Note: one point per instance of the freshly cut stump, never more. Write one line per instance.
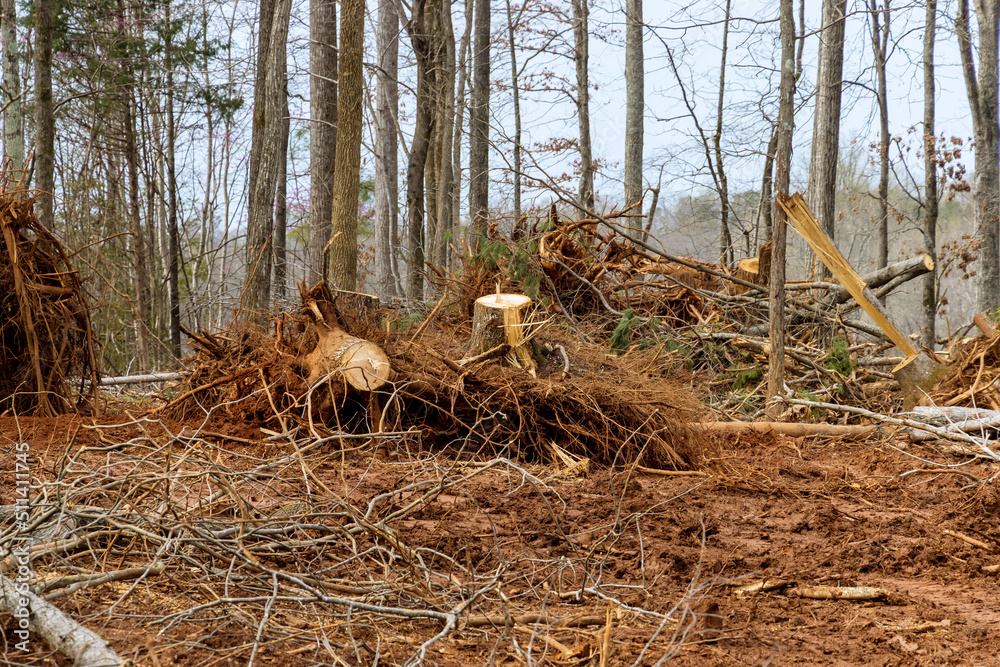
(500, 318)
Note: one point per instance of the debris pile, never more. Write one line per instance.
(44, 319)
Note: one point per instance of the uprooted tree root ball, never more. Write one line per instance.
(583, 400)
(44, 319)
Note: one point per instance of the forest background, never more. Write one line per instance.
(194, 150)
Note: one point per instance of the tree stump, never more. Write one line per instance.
(500, 318)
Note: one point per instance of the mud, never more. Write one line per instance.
(604, 556)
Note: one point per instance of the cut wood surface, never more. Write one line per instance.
(498, 319)
(361, 363)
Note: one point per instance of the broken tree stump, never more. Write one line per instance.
(918, 372)
(498, 319)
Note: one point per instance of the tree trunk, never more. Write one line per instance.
(322, 128)
(726, 239)
(281, 207)
(517, 111)
(880, 45)
(342, 270)
(265, 156)
(635, 105)
(446, 127)
(766, 185)
(463, 75)
(172, 225)
(45, 121)
(581, 56)
(140, 276)
(419, 147)
(479, 123)
(982, 90)
(13, 136)
(386, 148)
(822, 193)
(929, 301)
(783, 161)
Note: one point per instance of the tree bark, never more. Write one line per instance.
(581, 56)
(929, 300)
(822, 193)
(635, 105)
(140, 276)
(45, 121)
(463, 75)
(386, 148)
(479, 123)
(419, 148)
(13, 135)
(322, 128)
(515, 89)
(281, 207)
(982, 91)
(880, 45)
(265, 156)
(446, 126)
(173, 233)
(342, 270)
(783, 161)
(726, 239)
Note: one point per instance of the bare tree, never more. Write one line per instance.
(443, 36)
(322, 127)
(45, 121)
(822, 193)
(342, 269)
(265, 155)
(173, 231)
(880, 46)
(479, 122)
(13, 136)
(635, 104)
(515, 89)
(416, 28)
(982, 91)
(386, 148)
(930, 212)
(581, 55)
(463, 75)
(783, 161)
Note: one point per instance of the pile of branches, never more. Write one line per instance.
(44, 319)
(581, 400)
(217, 552)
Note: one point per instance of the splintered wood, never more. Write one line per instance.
(973, 376)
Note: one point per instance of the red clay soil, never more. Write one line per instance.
(808, 512)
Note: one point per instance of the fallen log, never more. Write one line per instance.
(899, 273)
(83, 646)
(790, 429)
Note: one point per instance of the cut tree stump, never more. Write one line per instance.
(498, 319)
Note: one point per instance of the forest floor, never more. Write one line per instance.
(614, 567)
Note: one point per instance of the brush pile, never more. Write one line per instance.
(582, 400)
(44, 319)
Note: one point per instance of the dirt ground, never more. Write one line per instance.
(616, 567)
